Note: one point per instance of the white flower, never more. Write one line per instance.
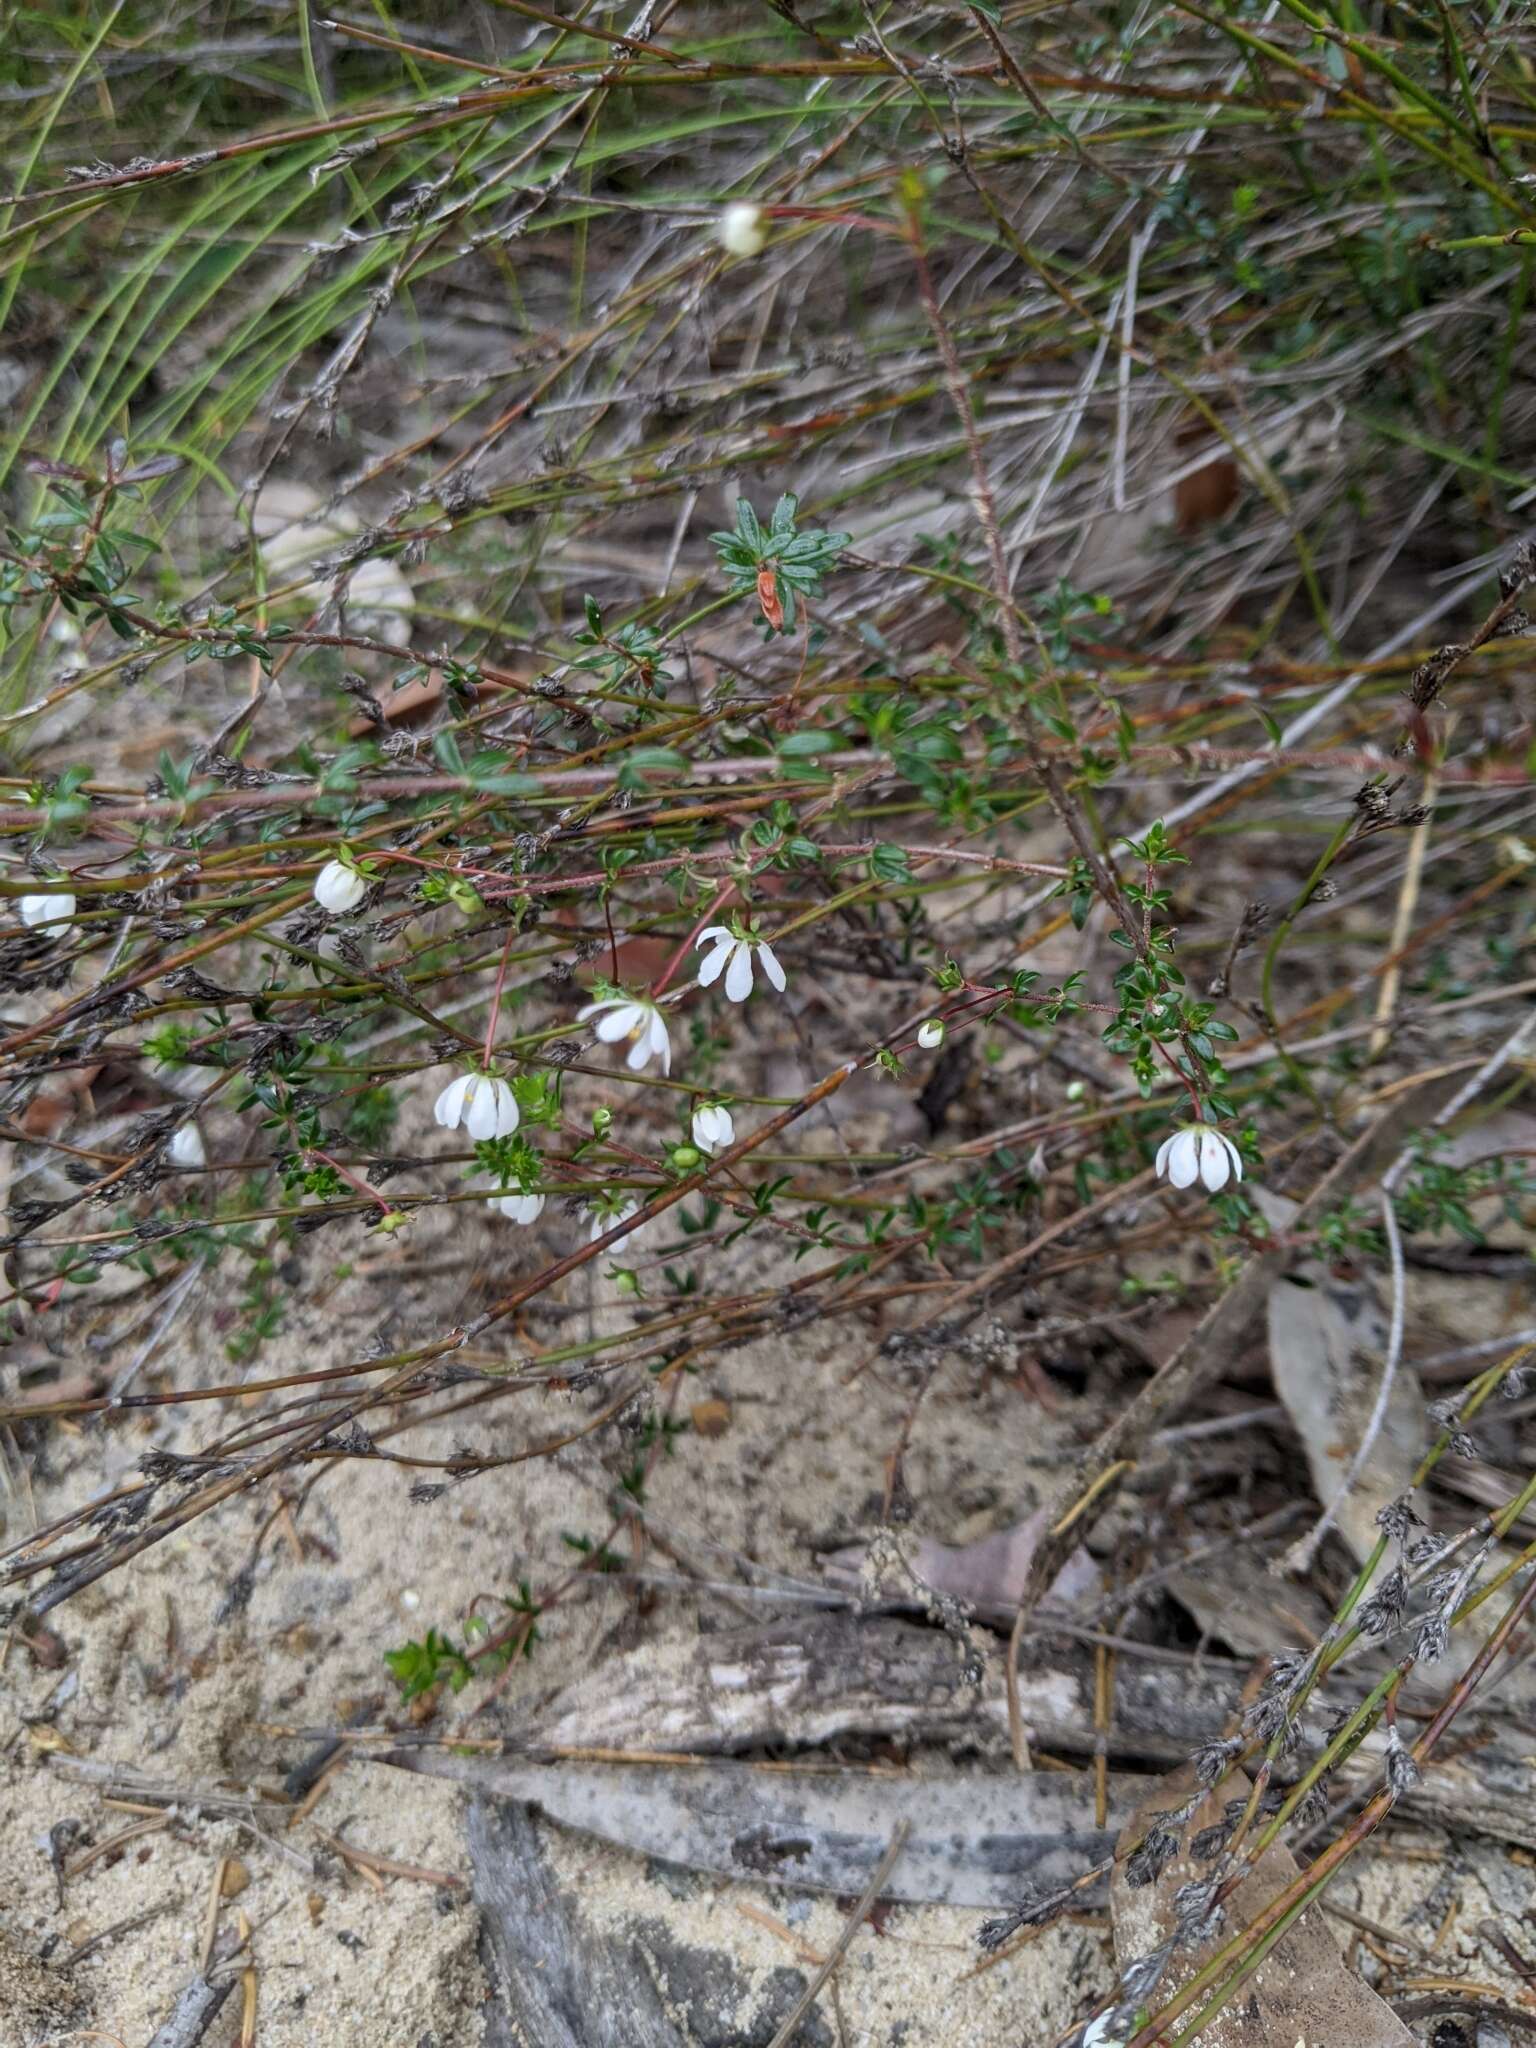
(602, 1223)
(714, 1128)
(186, 1147)
(56, 909)
(638, 1020)
(519, 1208)
(1197, 1152)
(740, 228)
(732, 957)
(1097, 2034)
(339, 888)
(931, 1033)
(486, 1108)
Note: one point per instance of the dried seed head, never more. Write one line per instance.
(1314, 1807)
(1038, 1911)
(1442, 1587)
(1433, 1639)
(1144, 1974)
(1268, 1719)
(1519, 569)
(1374, 801)
(1146, 1864)
(1446, 1415)
(1287, 1669)
(1212, 1760)
(1402, 1771)
(1399, 1519)
(1211, 1841)
(1196, 1912)
(1383, 1612)
(1424, 1550)
(1425, 683)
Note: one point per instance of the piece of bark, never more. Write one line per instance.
(805, 1683)
(1301, 1992)
(193, 2014)
(971, 1840)
(561, 1979)
(798, 1685)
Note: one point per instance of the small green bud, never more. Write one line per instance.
(686, 1157)
(602, 1122)
(627, 1281)
(465, 897)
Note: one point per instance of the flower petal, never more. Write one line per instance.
(661, 1042)
(738, 976)
(591, 1009)
(713, 1128)
(479, 1118)
(450, 1103)
(1215, 1161)
(1235, 1156)
(508, 1116)
(768, 960)
(1163, 1151)
(712, 935)
(622, 1022)
(1184, 1160)
(711, 969)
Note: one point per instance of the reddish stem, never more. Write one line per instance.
(676, 961)
(501, 979)
(360, 1187)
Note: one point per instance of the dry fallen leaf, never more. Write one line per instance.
(1327, 1347)
(988, 1575)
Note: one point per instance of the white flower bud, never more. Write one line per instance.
(714, 1128)
(931, 1033)
(186, 1148)
(54, 910)
(601, 1222)
(740, 229)
(339, 888)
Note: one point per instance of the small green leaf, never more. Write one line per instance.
(796, 745)
(889, 863)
